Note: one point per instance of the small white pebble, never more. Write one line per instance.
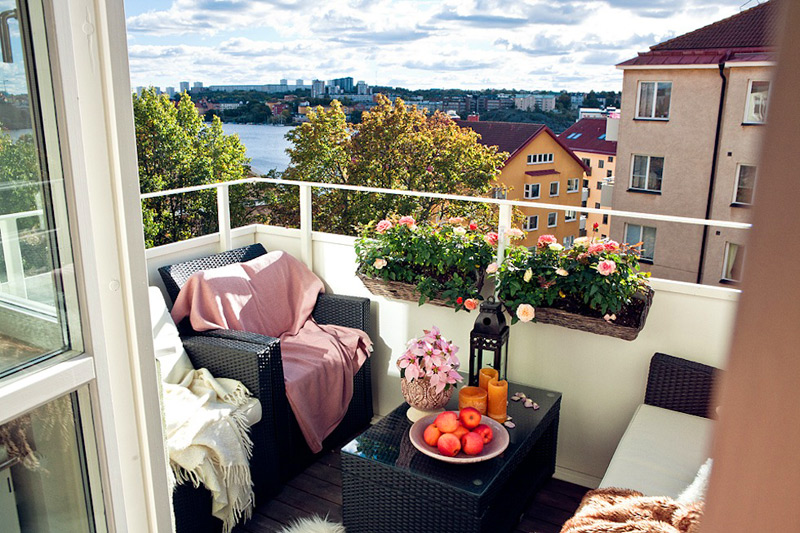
(528, 403)
(535, 406)
(509, 424)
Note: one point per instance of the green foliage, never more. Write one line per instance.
(556, 121)
(394, 147)
(177, 149)
(599, 276)
(445, 261)
(248, 113)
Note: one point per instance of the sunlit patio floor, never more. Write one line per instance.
(318, 491)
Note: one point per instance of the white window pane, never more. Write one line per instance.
(662, 100)
(734, 258)
(757, 102)
(639, 175)
(633, 233)
(649, 239)
(655, 172)
(746, 184)
(646, 97)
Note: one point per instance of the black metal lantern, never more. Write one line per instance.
(488, 341)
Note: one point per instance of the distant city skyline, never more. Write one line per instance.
(416, 44)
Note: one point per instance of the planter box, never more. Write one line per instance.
(396, 290)
(559, 317)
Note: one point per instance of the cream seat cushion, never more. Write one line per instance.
(173, 361)
(660, 452)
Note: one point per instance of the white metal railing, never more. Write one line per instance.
(503, 225)
(12, 252)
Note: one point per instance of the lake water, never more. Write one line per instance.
(266, 144)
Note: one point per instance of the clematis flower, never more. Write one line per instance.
(525, 312)
(528, 275)
(379, 263)
(492, 268)
(491, 238)
(607, 267)
(383, 226)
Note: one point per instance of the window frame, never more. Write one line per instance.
(736, 186)
(577, 182)
(655, 83)
(558, 188)
(748, 100)
(554, 215)
(646, 189)
(643, 259)
(525, 189)
(527, 226)
(546, 158)
(570, 219)
(725, 256)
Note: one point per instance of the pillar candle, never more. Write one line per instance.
(473, 397)
(485, 376)
(498, 400)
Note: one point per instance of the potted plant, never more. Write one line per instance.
(594, 286)
(443, 264)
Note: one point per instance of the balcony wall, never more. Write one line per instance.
(602, 378)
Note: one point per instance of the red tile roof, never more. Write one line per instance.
(512, 136)
(746, 36)
(542, 172)
(585, 137)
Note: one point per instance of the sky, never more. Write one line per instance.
(418, 44)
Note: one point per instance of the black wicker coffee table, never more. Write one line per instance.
(389, 486)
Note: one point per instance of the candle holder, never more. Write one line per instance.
(488, 341)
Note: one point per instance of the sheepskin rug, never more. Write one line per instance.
(313, 524)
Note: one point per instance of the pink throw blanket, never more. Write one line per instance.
(274, 295)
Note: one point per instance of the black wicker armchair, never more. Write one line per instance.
(279, 450)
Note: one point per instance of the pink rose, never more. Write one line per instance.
(383, 226)
(406, 221)
(515, 233)
(612, 246)
(546, 240)
(455, 220)
(596, 248)
(606, 267)
(379, 263)
(490, 238)
(492, 268)
(525, 312)
(471, 304)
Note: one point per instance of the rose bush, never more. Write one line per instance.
(445, 261)
(594, 276)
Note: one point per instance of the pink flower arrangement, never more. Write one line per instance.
(491, 238)
(431, 356)
(383, 226)
(612, 246)
(546, 240)
(596, 248)
(606, 267)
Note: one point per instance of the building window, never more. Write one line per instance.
(609, 173)
(734, 259)
(597, 205)
(498, 193)
(570, 216)
(552, 220)
(745, 184)
(572, 184)
(605, 219)
(568, 241)
(538, 159)
(531, 191)
(757, 100)
(587, 161)
(553, 188)
(599, 185)
(654, 99)
(586, 183)
(645, 235)
(601, 164)
(532, 223)
(646, 173)
(611, 159)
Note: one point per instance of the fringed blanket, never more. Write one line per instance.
(274, 295)
(208, 442)
(627, 511)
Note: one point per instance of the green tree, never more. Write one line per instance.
(177, 149)
(394, 147)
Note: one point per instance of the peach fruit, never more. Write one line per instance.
(431, 435)
(460, 431)
(472, 443)
(447, 422)
(485, 432)
(449, 445)
(470, 417)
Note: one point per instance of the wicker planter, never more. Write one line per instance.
(559, 317)
(423, 398)
(397, 290)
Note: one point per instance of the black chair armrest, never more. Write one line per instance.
(231, 335)
(680, 385)
(339, 310)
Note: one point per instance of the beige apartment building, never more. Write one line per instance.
(693, 110)
(594, 140)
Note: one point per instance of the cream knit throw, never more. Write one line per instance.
(208, 442)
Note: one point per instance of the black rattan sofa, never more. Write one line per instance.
(279, 450)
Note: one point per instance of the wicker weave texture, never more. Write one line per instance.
(192, 508)
(396, 290)
(680, 385)
(559, 317)
(175, 276)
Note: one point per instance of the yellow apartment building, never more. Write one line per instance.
(595, 144)
(540, 168)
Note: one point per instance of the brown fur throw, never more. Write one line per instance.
(627, 511)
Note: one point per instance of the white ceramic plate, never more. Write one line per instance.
(498, 444)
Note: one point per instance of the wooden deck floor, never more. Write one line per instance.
(318, 491)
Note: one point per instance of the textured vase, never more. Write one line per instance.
(423, 398)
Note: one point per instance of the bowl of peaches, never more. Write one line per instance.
(459, 437)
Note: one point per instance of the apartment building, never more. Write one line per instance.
(594, 140)
(540, 168)
(693, 110)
